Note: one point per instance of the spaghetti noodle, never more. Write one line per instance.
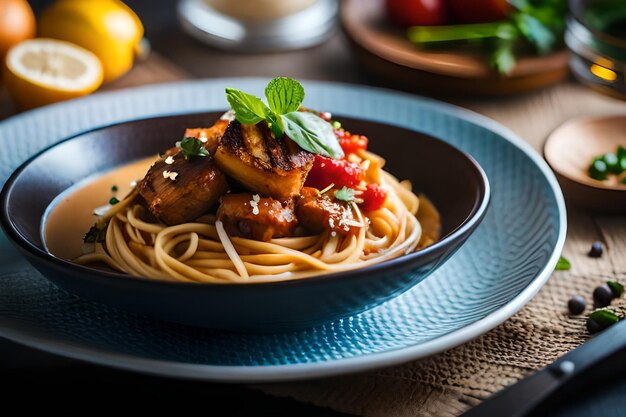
(202, 251)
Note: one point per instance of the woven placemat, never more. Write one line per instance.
(450, 383)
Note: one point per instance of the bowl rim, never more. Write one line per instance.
(401, 263)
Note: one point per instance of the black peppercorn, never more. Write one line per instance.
(576, 305)
(596, 250)
(602, 296)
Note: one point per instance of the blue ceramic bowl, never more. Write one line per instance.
(450, 178)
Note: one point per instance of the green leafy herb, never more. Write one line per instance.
(284, 96)
(604, 317)
(114, 189)
(249, 109)
(192, 147)
(346, 194)
(502, 57)
(533, 23)
(623, 181)
(113, 201)
(563, 264)
(616, 288)
(312, 133)
(97, 233)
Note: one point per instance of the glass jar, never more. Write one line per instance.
(596, 36)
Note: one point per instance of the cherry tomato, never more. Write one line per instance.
(417, 12)
(351, 143)
(328, 171)
(479, 11)
(373, 197)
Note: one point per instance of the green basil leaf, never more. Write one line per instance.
(284, 95)
(604, 317)
(535, 32)
(249, 109)
(563, 264)
(312, 133)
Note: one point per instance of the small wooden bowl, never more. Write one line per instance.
(569, 151)
(385, 51)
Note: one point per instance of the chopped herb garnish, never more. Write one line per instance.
(604, 317)
(608, 163)
(113, 201)
(616, 288)
(563, 264)
(97, 233)
(284, 97)
(191, 147)
(598, 170)
(114, 189)
(346, 194)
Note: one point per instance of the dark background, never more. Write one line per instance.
(68, 385)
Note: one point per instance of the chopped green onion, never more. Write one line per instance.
(114, 189)
(113, 201)
(612, 163)
(598, 170)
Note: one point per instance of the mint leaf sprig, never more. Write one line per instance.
(284, 97)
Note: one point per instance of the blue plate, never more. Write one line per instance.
(502, 265)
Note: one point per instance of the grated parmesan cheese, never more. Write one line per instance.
(254, 203)
(287, 214)
(170, 174)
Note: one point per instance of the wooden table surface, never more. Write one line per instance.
(176, 56)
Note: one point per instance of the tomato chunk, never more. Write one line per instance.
(328, 171)
(373, 197)
(351, 143)
(418, 12)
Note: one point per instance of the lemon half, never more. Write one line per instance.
(45, 71)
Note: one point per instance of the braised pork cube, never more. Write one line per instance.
(318, 213)
(253, 217)
(209, 136)
(179, 190)
(252, 156)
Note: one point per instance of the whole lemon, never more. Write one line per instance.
(17, 23)
(108, 28)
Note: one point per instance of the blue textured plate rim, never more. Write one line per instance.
(366, 362)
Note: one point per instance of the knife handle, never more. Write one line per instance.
(519, 399)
